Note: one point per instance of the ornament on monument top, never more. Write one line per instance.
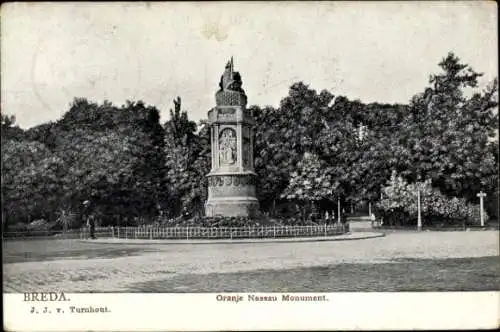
(231, 80)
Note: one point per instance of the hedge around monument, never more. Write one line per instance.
(221, 221)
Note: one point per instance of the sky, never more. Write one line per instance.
(372, 51)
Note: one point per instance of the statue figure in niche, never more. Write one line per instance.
(227, 147)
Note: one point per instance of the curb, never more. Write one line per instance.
(350, 237)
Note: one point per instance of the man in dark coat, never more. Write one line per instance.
(90, 218)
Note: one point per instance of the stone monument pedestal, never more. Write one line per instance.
(231, 194)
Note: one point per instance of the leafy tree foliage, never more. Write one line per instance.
(31, 180)
(449, 141)
(187, 163)
(9, 129)
(283, 135)
(314, 148)
(442, 135)
(109, 155)
(310, 183)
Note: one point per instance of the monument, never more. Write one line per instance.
(231, 181)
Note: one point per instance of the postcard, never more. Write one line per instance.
(203, 166)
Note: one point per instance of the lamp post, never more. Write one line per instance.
(419, 215)
(338, 210)
(481, 196)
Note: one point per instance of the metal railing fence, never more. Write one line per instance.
(187, 233)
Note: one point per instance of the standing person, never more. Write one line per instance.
(92, 227)
(85, 216)
(90, 218)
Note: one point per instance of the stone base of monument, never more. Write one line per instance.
(232, 195)
(232, 207)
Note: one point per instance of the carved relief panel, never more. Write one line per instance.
(228, 180)
(226, 114)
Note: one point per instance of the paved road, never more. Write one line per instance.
(88, 272)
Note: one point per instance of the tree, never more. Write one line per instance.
(97, 164)
(9, 129)
(338, 145)
(45, 133)
(150, 165)
(283, 135)
(180, 129)
(200, 168)
(450, 137)
(272, 163)
(187, 162)
(32, 181)
(66, 219)
(310, 183)
(117, 156)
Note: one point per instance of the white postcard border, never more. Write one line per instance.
(206, 312)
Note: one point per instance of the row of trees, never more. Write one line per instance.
(112, 156)
(308, 151)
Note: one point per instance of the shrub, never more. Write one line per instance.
(220, 221)
(399, 204)
(38, 225)
(19, 227)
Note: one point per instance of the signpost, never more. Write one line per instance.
(481, 196)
